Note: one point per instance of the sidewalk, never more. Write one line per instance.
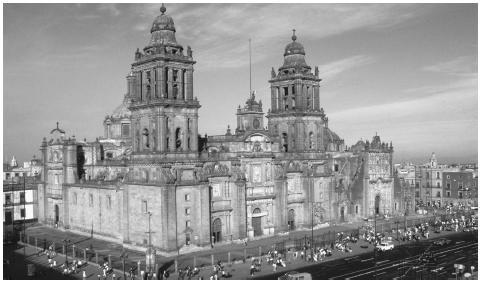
(203, 257)
(17, 267)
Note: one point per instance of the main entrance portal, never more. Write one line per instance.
(217, 228)
(256, 222)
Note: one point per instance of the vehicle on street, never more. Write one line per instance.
(442, 242)
(294, 275)
(385, 246)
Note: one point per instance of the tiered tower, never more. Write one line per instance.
(295, 115)
(160, 86)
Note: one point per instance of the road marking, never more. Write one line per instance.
(413, 257)
(383, 261)
(459, 242)
(363, 260)
(459, 258)
(381, 273)
(442, 256)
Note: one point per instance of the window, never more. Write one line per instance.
(56, 179)
(75, 198)
(8, 199)
(356, 209)
(448, 176)
(438, 184)
(144, 206)
(417, 185)
(188, 223)
(438, 175)
(336, 167)
(22, 197)
(91, 200)
(125, 130)
(187, 197)
(460, 195)
(417, 194)
(187, 211)
(16, 174)
(109, 202)
(448, 194)
(428, 175)
(188, 239)
(8, 175)
(438, 194)
(22, 213)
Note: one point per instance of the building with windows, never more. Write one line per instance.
(459, 188)
(152, 168)
(20, 202)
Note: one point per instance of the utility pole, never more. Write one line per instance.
(150, 252)
(123, 256)
(24, 214)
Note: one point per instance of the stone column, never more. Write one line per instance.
(316, 102)
(172, 136)
(185, 136)
(274, 101)
(181, 93)
(161, 85)
(280, 98)
(169, 83)
(300, 97)
(139, 85)
(162, 134)
(194, 137)
(189, 84)
(290, 98)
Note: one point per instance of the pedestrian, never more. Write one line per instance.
(251, 270)
(84, 276)
(274, 266)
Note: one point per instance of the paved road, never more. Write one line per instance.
(399, 263)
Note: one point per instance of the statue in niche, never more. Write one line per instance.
(273, 73)
(189, 51)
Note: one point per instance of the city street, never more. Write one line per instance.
(400, 263)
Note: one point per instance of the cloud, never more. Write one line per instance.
(330, 70)
(221, 31)
(111, 9)
(464, 65)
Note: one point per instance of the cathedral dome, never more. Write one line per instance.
(163, 22)
(294, 55)
(294, 47)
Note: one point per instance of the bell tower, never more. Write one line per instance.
(295, 115)
(160, 89)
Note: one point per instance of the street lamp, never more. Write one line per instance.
(123, 256)
(150, 254)
(66, 243)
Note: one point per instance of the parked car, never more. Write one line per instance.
(385, 246)
(442, 242)
(294, 275)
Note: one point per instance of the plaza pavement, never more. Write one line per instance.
(203, 257)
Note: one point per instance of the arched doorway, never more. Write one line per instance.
(56, 214)
(291, 219)
(342, 214)
(256, 222)
(217, 228)
(377, 204)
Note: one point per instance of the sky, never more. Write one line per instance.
(407, 72)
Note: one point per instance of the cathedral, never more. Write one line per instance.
(152, 168)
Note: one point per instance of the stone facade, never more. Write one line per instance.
(152, 168)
